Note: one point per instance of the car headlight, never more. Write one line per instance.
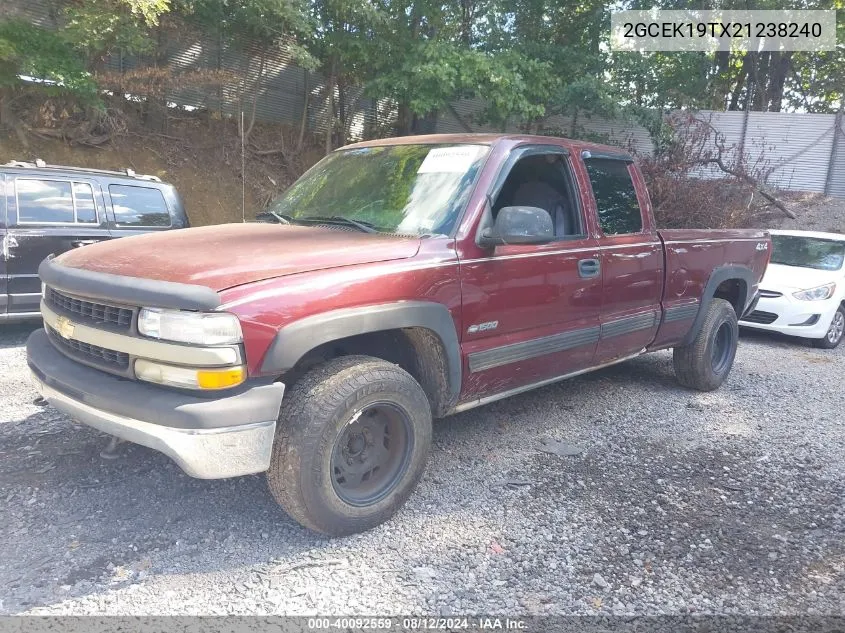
(816, 294)
(189, 377)
(199, 328)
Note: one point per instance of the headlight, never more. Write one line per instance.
(199, 328)
(189, 377)
(816, 294)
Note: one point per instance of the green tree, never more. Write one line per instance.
(563, 45)
(101, 27)
(33, 58)
(736, 80)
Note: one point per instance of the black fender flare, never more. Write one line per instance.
(293, 341)
(720, 275)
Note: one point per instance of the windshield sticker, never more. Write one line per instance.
(455, 160)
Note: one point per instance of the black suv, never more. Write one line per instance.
(49, 209)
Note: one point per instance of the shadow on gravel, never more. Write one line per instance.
(772, 338)
(15, 334)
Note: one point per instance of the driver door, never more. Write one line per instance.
(532, 312)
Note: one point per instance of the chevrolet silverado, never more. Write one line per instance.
(397, 281)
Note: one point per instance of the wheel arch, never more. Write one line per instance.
(419, 336)
(732, 283)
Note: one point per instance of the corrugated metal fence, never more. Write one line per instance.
(797, 148)
(801, 151)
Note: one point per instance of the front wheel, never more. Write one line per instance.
(834, 333)
(352, 443)
(707, 360)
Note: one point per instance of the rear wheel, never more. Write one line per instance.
(834, 333)
(352, 444)
(707, 360)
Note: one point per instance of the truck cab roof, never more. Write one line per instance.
(493, 139)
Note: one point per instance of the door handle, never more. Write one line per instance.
(589, 268)
(78, 243)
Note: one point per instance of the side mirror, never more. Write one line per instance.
(520, 225)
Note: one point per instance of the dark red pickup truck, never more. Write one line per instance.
(401, 280)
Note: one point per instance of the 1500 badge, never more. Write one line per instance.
(482, 327)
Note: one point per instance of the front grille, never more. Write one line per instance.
(758, 316)
(770, 294)
(94, 354)
(93, 312)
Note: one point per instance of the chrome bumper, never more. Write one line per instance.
(203, 453)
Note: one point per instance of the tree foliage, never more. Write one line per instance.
(101, 27)
(528, 60)
(28, 52)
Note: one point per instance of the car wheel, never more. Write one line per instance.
(834, 333)
(352, 443)
(707, 360)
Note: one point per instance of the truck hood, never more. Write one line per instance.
(783, 278)
(228, 255)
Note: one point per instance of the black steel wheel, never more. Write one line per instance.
(371, 454)
(722, 348)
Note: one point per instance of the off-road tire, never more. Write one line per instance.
(826, 342)
(707, 360)
(314, 416)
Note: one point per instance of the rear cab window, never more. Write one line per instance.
(54, 201)
(139, 207)
(616, 198)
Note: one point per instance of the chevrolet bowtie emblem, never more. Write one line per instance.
(65, 327)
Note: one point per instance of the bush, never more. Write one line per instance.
(697, 181)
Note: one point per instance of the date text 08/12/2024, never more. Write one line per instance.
(418, 623)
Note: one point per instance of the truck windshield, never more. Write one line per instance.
(807, 252)
(406, 189)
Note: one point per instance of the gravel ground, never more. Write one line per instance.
(814, 211)
(676, 502)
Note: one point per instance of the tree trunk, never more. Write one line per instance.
(403, 119)
(780, 67)
(156, 105)
(740, 82)
(330, 107)
(342, 112)
(719, 85)
(255, 93)
(467, 15)
(303, 122)
(761, 76)
(9, 119)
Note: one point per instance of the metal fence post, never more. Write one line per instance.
(837, 135)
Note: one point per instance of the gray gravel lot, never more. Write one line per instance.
(680, 502)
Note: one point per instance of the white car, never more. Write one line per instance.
(803, 290)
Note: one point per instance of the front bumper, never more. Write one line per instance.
(791, 316)
(209, 438)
